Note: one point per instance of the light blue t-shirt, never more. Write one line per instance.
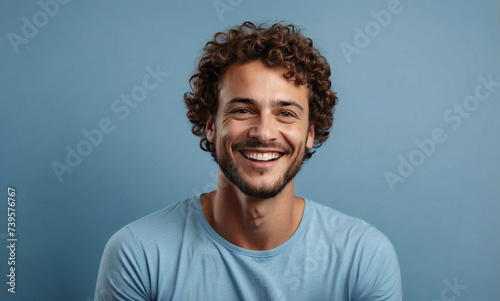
(174, 254)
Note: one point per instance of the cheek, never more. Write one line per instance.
(230, 131)
(295, 135)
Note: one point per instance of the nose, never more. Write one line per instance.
(263, 129)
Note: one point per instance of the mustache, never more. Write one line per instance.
(257, 144)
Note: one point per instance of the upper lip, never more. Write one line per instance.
(262, 150)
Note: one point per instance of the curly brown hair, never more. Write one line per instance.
(276, 46)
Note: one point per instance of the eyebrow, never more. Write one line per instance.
(285, 103)
(275, 103)
(241, 100)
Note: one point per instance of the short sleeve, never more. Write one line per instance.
(123, 271)
(379, 275)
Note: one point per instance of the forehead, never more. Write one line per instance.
(257, 81)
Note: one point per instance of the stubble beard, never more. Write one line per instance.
(230, 170)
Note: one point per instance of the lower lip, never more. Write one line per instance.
(261, 164)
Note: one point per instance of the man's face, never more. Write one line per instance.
(261, 129)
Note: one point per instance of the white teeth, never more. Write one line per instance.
(262, 156)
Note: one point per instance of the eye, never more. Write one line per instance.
(240, 111)
(287, 114)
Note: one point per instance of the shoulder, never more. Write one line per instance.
(364, 249)
(354, 234)
(135, 255)
(157, 226)
(339, 221)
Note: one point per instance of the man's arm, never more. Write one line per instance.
(123, 271)
(379, 277)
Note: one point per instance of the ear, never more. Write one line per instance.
(310, 137)
(210, 129)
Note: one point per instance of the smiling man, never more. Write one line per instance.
(261, 102)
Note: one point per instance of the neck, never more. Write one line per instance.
(256, 224)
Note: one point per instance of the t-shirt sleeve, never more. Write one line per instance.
(379, 275)
(123, 270)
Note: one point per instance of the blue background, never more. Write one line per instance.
(443, 220)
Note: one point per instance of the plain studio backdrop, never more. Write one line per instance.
(93, 133)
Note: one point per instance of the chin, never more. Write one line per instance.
(264, 191)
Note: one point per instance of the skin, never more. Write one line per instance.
(260, 111)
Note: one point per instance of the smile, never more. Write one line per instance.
(258, 156)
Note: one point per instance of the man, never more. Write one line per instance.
(261, 102)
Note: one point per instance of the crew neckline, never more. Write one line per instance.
(247, 252)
